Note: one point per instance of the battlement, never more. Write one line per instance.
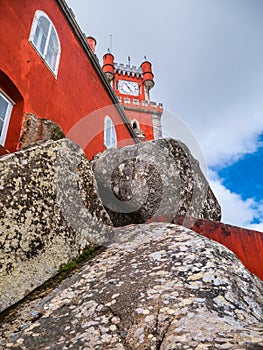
(128, 70)
(152, 107)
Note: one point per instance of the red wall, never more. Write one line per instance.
(145, 121)
(246, 244)
(77, 91)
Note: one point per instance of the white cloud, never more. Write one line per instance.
(229, 140)
(225, 137)
(208, 70)
(235, 210)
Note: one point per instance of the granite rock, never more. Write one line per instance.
(49, 213)
(153, 179)
(157, 287)
(36, 129)
(245, 243)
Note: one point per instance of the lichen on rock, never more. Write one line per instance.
(36, 129)
(49, 212)
(152, 180)
(159, 286)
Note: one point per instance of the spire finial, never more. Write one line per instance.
(110, 48)
(145, 58)
(129, 61)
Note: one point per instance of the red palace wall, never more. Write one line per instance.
(77, 91)
(246, 244)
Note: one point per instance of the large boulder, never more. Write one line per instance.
(36, 129)
(159, 286)
(49, 212)
(152, 180)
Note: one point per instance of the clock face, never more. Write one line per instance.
(128, 87)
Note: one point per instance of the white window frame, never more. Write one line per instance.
(6, 117)
(44, 55)
(110, 138)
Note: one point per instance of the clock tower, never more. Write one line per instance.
(132, 86)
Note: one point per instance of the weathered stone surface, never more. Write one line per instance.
(152, 179)
(246, 244)
(159, 287)
(49, 212)
(36, 129)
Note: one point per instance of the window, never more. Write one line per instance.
(6, 106)
(135, 125)
(110, 139)
(45, 40)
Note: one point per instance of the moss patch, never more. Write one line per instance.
(86, 255)
(65, 271)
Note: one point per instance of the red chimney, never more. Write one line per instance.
(147, 74)
(108, 65)
(92, 43)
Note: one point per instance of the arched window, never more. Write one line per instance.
(6, 105)
(110, 139)
(45, 40)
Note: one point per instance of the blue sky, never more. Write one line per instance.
(207, 57)
(245, 175)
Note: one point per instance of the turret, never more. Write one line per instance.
(147, 75)
(92, 43)
(108, 66)
(147, 78)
